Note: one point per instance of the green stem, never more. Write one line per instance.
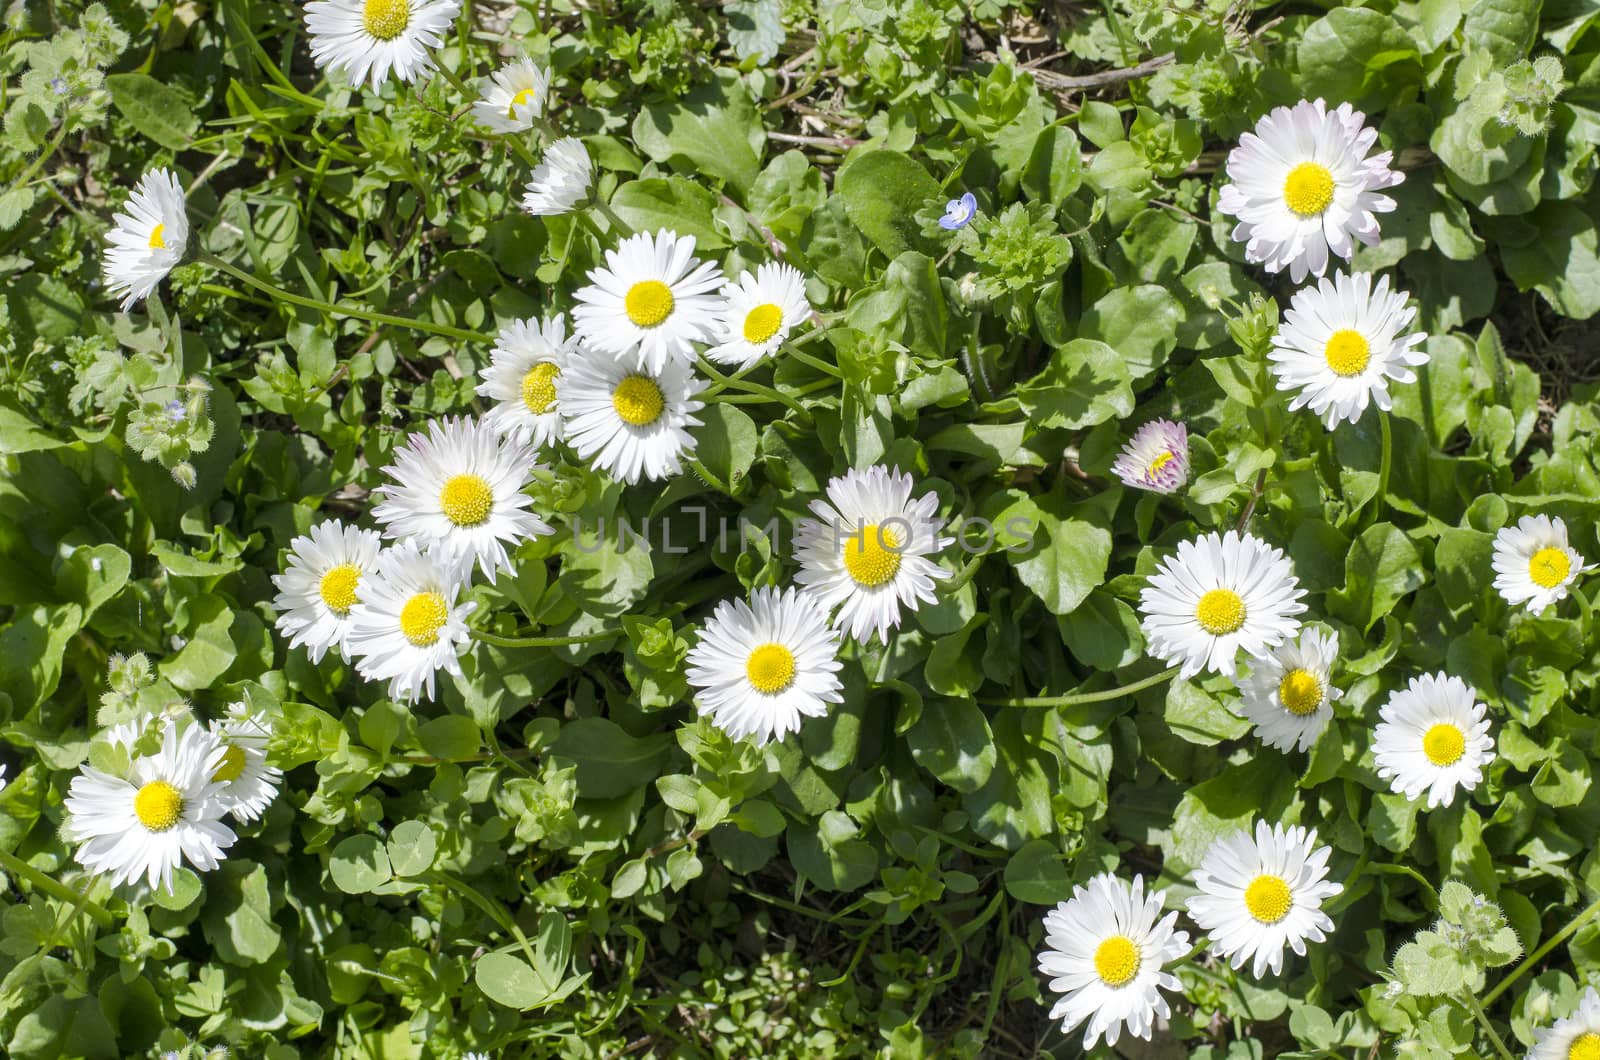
(53, 887)
(539, 642)
(1383, 465)
(1537, 955)
(816, 362)
(1488, 1028)
(275, 291)
(619, 228)
(1074, 698)
(723, 382)
(44, 156)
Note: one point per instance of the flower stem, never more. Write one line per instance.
(1537, 955)
(1075, 698)
(723, 382)
(55, 888)
(1488, 1028)
(1384, 463)
(816, 362)
(619, 228)
(539, 642)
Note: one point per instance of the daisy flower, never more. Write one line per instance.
(1433, 738)
(409, 623)
(561, 179)
(958, 213)
(249, 784)
(1156, 458)
(460, 487)
(322, 583)
(1303, 184)
(1105, 950)
(1258, 896)
(651, 302)
(1341, 344)
(867, 550)
(3, 780)
(147, 238)
(1533, 564)
(514, 97)
(1220, 593)
(523, 374)
(759, 313)
(1576, 1037)
(629, 423)
(368, 38)
(1288, 695)
(760, 667)
(165, 811)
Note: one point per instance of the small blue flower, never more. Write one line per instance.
(60, 85)
(958, 213)
(177, 412)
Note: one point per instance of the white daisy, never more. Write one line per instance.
(147, 238)
(514, 97)
(1302, 185)
(522, 378)
(249, 784)
(476, 1056)
(3, 780)
(759, 313)
(1156, 458)
(1105, 949)
(165, 811)
(368, 38)
(1288, 695)
(1341, 344)
(460, 487)
(629, 423)
(409, 622)
(1574, 1037)
(1258, 896)
(760, 667)
(561, 179)
(651, 302)
(1220, 593)
(322, 583)
(1434, 738)
(867, 551)
(1533, 563)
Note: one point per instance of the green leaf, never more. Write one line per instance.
(726, 444)
(882, 192)
(1342, 52)
(610, 762)
(450, 737)
(755, 29)
(1035, 874)
(1068, 550)
(831, 856)
(155, 109)
(210, 649)
(1506, 29)
(1085, 383)
(672, 203)
(359, 865)
(1195, 715)
(1139, 323)
(713, 129)
(1383, 566)
(1561, 262)
(509, 981)
(412, 847)
(953, 742)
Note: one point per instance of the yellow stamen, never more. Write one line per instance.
(638, 400)
(872, 555)
(1158, 463)
(539, 387)
(1549, 567)
(1347, 352)
(1300, 692)
(158, 805)
(338, 587)
(770, 668)
(648, 303)
(386, 19)
(1308, 189)
(527, 95)
(762, 322)
(157, 240)
(1585, 1046)
(1220, 611)
(232, 766)
(1116, 960)
(1268, 899)
(466, 500)
(422, 617)
(1444, 744)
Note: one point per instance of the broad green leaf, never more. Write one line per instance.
(1035, 874)
(359, 865)
(671, 203)
(610, 762)
(714, 129)
(154, 108)
(882, 191)
(953, 742)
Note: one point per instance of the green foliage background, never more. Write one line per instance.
(556, 860)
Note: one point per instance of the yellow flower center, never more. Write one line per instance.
(422, 617)
(156, 240)
(1158, 463)
(527, 95)
(1220, 611)
(648, 303)
(1549, 567)
(338, 587)
(539, 387)
(1268, 899)
(1585, 1046)
(386, 19)
(770, 668)
(1443, 744)
(762, 322)
(232, 765)
(1347, 352)
(1116, 960)
(1308, 189)
(466, 500)
(638, 400)
(158, 805)
(872, 555)
(1300, 692)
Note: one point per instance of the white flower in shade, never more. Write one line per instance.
(476, 1056)
(3, 781)
(760, 667)
(514, 97)
(522, 379)
(1433, 738)
(1257, 896)
(365, 39)
(322, 583)
(867, 552)
(1288, 695)
(1341, 345)
(630, 423)
(651, 302)
(249, 784)
(1156, 458)
(759, 313)
(1220, 593)
(459, 486)
(561, 179)
(1533, 564)
(163, 812)
(1302, 184)
(1574, 1037)
(409, 623)
(1105, 950)
(147, 238)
